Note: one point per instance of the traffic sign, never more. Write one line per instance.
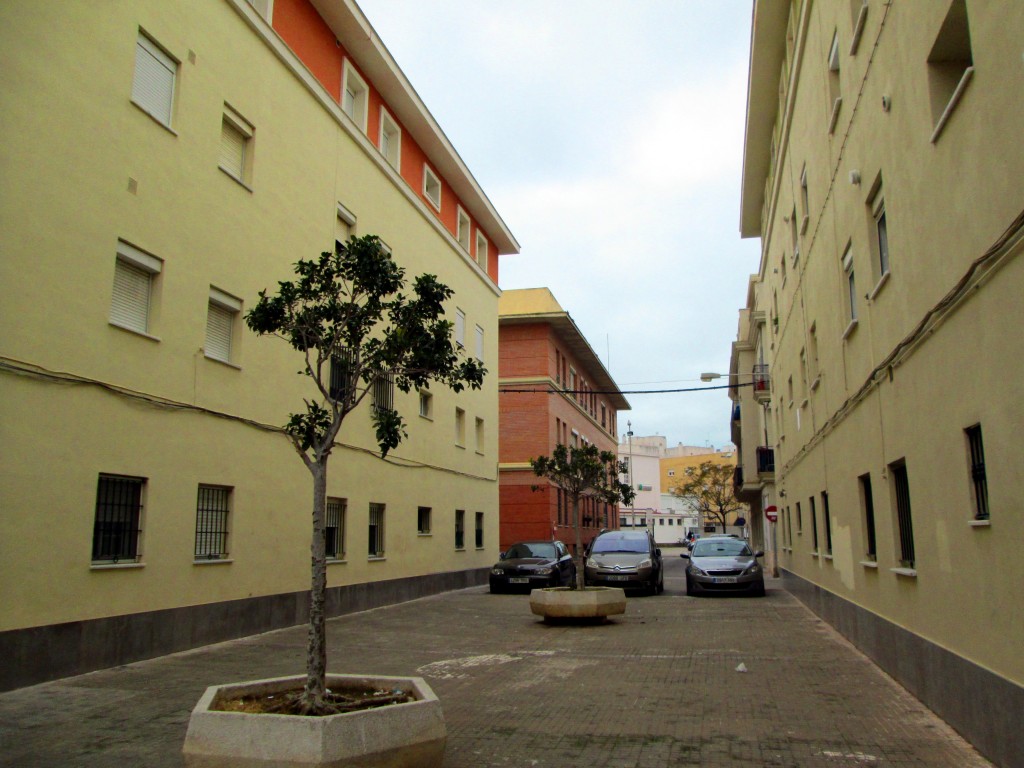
(772, 513)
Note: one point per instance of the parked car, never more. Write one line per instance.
(533, 565)
(723, 564)
(627, 559)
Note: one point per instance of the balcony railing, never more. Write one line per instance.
(762, 382)
(765, 460)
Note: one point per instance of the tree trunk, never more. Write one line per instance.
(316, 650)
(580, 557)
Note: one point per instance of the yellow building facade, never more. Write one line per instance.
(161, 164)
(878, 400)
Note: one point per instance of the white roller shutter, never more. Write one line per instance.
(153, 86)
(232, 149)
(129, 306)
(218, 332)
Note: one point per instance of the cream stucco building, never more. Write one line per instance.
(161, 164)
(876, 371)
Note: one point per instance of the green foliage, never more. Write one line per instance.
(349, 314)
(585, 471)
(709, 489)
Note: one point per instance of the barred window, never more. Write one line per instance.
(384, 392)
(479, 532)
(376, 530)
(115, 535)
(901, 486)
(212, 508)
(334, 532)
(423, 520)
(343, 382)
(978, 477)
(460, 529)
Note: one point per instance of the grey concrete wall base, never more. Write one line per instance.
(410, 735)
(37, 654)
(588, 603)
(982, 706)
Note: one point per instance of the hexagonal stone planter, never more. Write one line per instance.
(597, 603)
(404, 735)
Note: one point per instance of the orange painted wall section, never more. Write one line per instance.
(306, 33)
(301, 27)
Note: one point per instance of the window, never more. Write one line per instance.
(799, 520)
(462, 227)
(460, 427)
(426, 405)
(812, 360)
(346, 224)
(795, 237)
(384, 392)
(376, 530)
(604, 415)
(135, 274)
(950, 65)
(212, 507)
(835, 96)
(264, 8)
(431, 187)
(423, 520)
(901, 488)
(390, 140)
(222, 316)
(334, 532)
(479, 343)
(572, 383)
(343, 380)
(153, 84)
(867, 504)
(851, 284)
(118, 523)
(814, 525)
(880, 234)
(460, 529)
(235, 146)
(479, 531)
(977, 457)
(858, 15)
(562, 513)
(481, 250)
(828, 522)
(479, 435)
(460, 328)
(354, 95)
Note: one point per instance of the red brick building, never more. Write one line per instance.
(552, 389)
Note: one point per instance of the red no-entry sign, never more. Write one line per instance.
(772, 513)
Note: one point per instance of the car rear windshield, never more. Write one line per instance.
(720, 548)
(619, 542)
(539, 549)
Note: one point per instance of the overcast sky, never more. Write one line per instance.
(608, 134)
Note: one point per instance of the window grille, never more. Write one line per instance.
(376, 530)
(828, 522)
(116, 528)
(343, 379)
(901, 485)
(978, 477)
(460, 529)
(384, 392)
(212, 522)
(869, 516)
(334, 531)
(479, 532)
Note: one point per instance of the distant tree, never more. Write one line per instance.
(709, 490)
(359, 335)
(584, 472)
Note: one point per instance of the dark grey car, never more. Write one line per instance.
(626, 559)
(533, 565)
(723, 565)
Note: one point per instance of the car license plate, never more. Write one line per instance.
(521, 580)
(724, 579)
(618, 578)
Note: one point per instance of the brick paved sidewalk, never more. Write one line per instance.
(657, 687)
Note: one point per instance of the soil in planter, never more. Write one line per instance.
(289, 702)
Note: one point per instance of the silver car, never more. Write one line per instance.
(626, 559)
(723, 565)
